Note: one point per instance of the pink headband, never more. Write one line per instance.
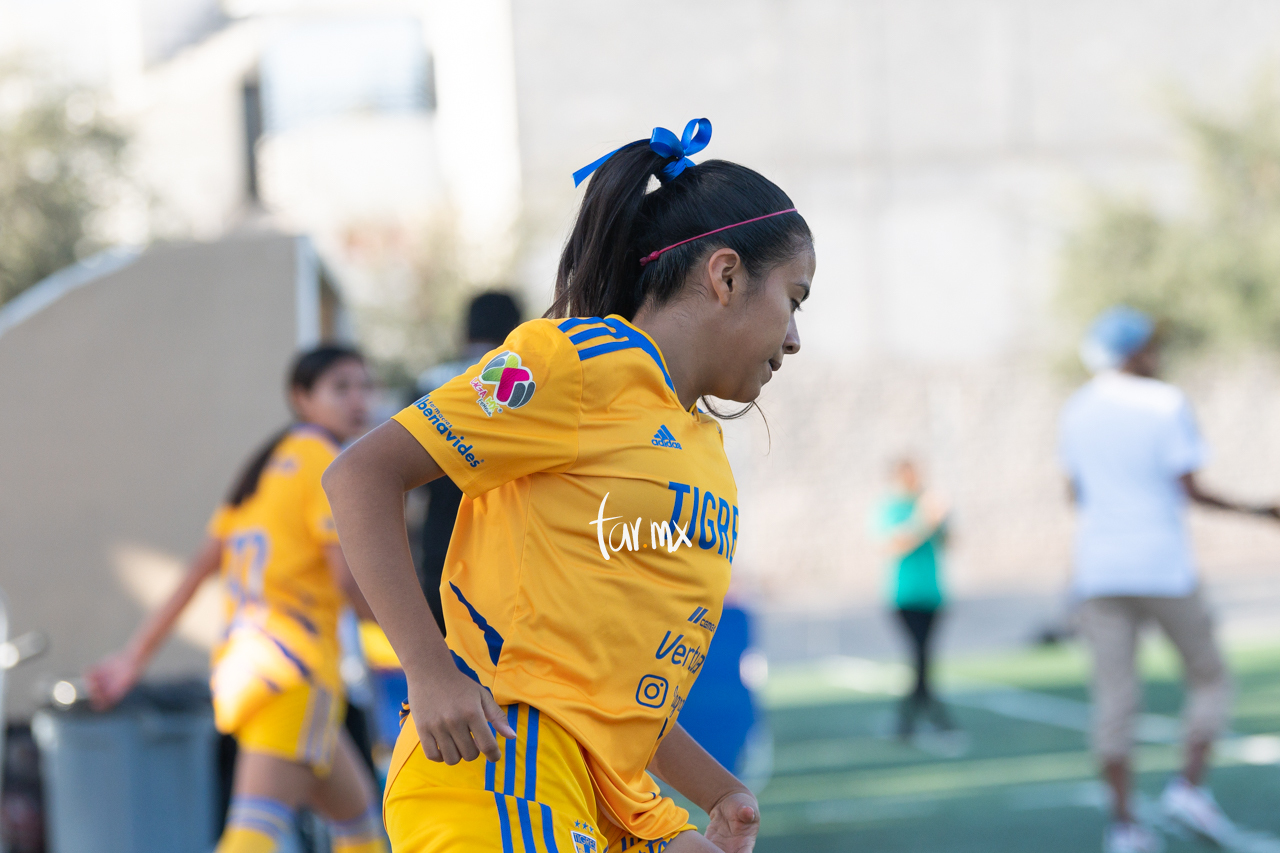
(653, 256)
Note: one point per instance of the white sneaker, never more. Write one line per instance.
(1197, 810)
(1131, 838)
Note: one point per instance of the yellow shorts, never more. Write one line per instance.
(301, 724)
(537, 799)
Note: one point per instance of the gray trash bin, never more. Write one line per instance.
(139, 778)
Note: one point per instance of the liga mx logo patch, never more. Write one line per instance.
(513, 384)
(583, 843)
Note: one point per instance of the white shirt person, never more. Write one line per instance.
(1131, 449)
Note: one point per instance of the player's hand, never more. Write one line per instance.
(933, 509)
(735, 820)
(453, 716)
(110, 679)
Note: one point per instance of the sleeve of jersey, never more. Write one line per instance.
(217, 526)
(514, 413)
(319, 517)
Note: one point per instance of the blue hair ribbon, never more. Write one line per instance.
(697, 133)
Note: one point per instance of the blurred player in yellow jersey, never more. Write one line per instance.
(592, 550)
(276, 685)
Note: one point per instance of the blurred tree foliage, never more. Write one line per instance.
(60, 162)
(413, 291)
(1212, 278)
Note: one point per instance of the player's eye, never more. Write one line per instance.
(795, 305)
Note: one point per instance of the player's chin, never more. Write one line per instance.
(748, 392)
(765, 373)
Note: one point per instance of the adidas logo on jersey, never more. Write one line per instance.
(664, 438)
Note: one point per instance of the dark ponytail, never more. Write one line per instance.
(307, 369)
(620, 222)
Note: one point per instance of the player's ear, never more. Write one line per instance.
(725, 273)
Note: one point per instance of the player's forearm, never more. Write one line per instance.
(153, 631)
(355, 597)
(1218, 502)
(1199, 496)
(366, 495)
(912, 535)
(683, 764)
(1214, 502)
(359, 603)
(346, 582)
(906, 541)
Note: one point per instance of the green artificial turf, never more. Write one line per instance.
(1020, 778)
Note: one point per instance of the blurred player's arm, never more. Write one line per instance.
(346, 582)
(366, 485)
(1198, 495)
(114, 676)
(683, 764)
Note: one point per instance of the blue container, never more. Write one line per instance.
(720, 712)
(390, 689)
(137, 779)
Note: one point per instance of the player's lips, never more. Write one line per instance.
(773, 366)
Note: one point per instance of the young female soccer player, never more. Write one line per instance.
(576, 625)
(276, 685)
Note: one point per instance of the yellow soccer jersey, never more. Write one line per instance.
(282, 603)
(591, 554)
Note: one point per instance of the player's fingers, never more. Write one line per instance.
(461, 734)
(102, 693)
(748, 815)
(484, 739)
(429, 748)
(494, 713)
(447, 748)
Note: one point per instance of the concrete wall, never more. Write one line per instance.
(941, 151)
(986, 435)
(938, 149)
(128, 405)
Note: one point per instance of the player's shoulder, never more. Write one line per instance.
(1114, 389)
(613, 351)
(588, 360)
(535, 357)
(1155, 396)
(1085, 406)
(221, 522)
(541, 335)
(603, 346)
(1078, 399)
(1168, 395)
(538, 342)
(305, 446)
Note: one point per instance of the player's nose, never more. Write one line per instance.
(791, 344)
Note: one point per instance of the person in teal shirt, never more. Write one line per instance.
(912, 524)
